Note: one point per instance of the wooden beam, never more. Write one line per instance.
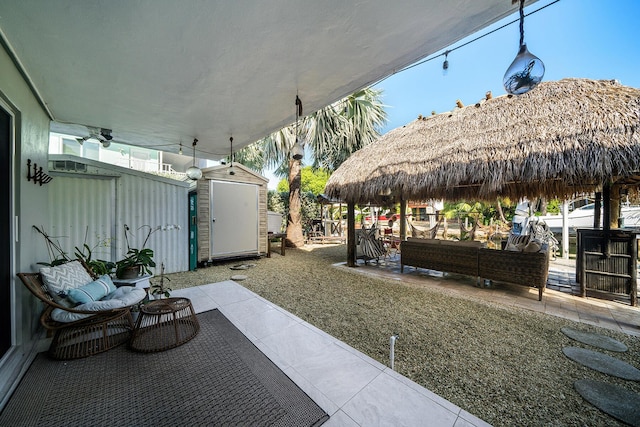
(351, 234)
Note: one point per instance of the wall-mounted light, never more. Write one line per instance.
(180, 149)
(526, 70)
(194, 172)
(297, 150)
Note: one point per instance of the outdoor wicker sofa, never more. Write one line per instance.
(82, 329)
(471, 258)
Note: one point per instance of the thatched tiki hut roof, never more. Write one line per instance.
(560, 139)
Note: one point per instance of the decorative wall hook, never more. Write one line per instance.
(38, 176)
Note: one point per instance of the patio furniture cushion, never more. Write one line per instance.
(124, 296)
(93, 291)
(61, 278)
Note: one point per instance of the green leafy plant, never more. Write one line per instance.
(99, 266)
(158, 287)
(59, 256)
(137, 257)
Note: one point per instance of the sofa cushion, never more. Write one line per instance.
(424, 241)
(93, 291)
(127, 295)
(463, 243)
(123, 296)
(61, 278)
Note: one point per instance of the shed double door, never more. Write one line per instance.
(234, 219)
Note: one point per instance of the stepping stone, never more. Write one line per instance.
(620, 403)
(239, 267)
(596, 340)
(239, 277)
(602, 363)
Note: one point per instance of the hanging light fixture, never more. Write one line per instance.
(231, 171)
(445, 64)
(194, 172)
(526, 70)
(180, 149)
(298, 151)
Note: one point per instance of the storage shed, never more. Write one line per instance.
(90, 202)
(232, 213)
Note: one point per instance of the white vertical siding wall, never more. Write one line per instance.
(79, 207)
(103, 204)
(161, 206)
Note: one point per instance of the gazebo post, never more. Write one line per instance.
(403, 220)
(351, 234)
(606, 206)
(597, 208)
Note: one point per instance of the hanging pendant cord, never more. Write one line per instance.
(521, 22)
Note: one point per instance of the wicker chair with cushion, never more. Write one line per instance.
(87, 314)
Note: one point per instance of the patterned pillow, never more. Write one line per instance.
(93, 291)
(61, 278)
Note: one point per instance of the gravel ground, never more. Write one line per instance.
(501, 364)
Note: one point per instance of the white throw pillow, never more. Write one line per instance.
(61, 278)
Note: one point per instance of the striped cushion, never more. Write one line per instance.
(61, 278)
(93, 291)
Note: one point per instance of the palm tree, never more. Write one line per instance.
(331, 134)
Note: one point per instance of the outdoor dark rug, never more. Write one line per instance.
(219, 378)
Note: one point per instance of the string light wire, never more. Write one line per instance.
(448, 51)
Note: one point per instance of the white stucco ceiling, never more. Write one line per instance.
(161, 72)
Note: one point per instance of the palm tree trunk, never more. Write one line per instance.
(295, 237)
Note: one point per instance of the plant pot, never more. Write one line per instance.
(130, 272)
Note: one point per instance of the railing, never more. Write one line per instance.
(151, 166)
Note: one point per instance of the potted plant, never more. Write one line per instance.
(158, 288)
(137, 260)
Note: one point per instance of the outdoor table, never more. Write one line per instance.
(163, 324)
(275, 236)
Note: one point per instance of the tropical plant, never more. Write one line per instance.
(137, 257)
(158, 287)
(330, 134)
(85, 253)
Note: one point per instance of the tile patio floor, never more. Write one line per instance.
(356, 390)
(352, 388)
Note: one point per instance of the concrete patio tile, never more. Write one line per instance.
(340, 419)
(263, 323)
(297, 343)
(312, 391)
(337, 373)
(247, 307)
(388, 402)
(200, 301)
(227, 292)
(422, 390)
(361, 355)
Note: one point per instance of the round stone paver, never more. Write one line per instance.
(239, 277)
(602, 363)
(611, 399)
(596, 340)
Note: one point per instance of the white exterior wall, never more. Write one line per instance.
(107, 197)
(28, 204)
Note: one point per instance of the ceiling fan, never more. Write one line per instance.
(103, 135)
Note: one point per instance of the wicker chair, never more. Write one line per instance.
(100, 331)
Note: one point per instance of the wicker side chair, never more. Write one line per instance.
(99, 331)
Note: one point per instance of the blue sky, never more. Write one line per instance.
(596, 39)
